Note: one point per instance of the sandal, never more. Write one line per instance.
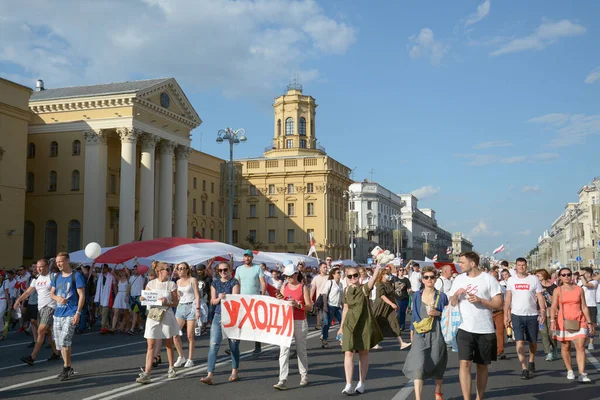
(208, 380)
(438, 396)
(156, 361)
(233, 378)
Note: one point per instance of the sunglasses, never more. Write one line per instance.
(565, 275)
(428, 277)
(163, 269)
(223, 270)
(352, 276)
(329, 259)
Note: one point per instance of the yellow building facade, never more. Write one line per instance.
(14, 117)
(294, 190)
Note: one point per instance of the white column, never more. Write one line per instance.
(127, 188)
(94, 187)
(146, 220)
(165, 195)
(156, 191)
(181, 190)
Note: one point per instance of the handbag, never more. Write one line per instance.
(156, 314)
(570, 325)
(426, 324)
(319, 302)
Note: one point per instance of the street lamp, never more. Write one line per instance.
(349, 195)
(426, 236)
(399, 221)
(233, 137)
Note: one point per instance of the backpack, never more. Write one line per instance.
(73, 281)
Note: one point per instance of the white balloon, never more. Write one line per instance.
(92, 250)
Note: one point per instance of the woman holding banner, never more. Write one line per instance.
(358, 329)
(161, 322)
(218, 290)
(298, 296)
(188, 311)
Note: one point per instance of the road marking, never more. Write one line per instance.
(22, 343)
(593, 360)
(405, 391)
(136, 387)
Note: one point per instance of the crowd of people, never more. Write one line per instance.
(53, 302)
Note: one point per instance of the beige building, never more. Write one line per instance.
(14, 116)
(294, 190)
(460, 244)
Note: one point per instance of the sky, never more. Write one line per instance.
(487, 110)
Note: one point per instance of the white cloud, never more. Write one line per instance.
(593, 76)
(239, 47)
(492, 144)
(570, 129)
(481, 160)
(525, 232)
(483, 11)
(425, 192)
(546, 156)
(545, 34)
(424, 45)
(482, 229)
(531, 189)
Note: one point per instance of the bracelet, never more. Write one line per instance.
(78, 312)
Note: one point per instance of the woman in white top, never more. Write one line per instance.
(188, 311)
(121, 302)
(161, 322)
(332, 303)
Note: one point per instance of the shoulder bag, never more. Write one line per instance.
(426, 324)
(570, 325)
(157, 313)
(320, 302)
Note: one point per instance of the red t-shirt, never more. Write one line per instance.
(298, 295)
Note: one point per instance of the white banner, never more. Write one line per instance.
(151, 298)
(257, 318)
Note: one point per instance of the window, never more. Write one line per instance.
(52, 186)
(310, 209)
(302, 126)
(203, 185)
(50, 240)
(271, 189)
(75, 181)
(220, 210)
(31, 150)
(212, 187)
(212, 209)
(252, 190)
(289, 144)
(289, 126)
(76, 151)
(252, 210)
(290, 236)
(212, 234)
(271, 210)
(252, 235)
(220, 235)
(310, 188)
(28, 239)
(53, 150)
(234, 236)
(235, 211)
(30, 182)
(302, 143)
(74, 235)
(369, 205)
(193, 206)
(203, 209)
(278, 127)
(271, 235)
(195, 183)
(352, 206)
(112, 184)
(291, 209)
(203, 234)
(290, 188)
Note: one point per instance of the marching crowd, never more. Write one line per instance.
(53, 302)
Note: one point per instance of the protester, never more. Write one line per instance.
(332, 303)
(589, 286)
(358, 329)
(415, 281)
(188, 312)
(384, 308)
(428, 355)
(550, 345)
(477, 294)
(571, 323)
(317, 285)
(498, 317)
(161, 322)
(104, 287)
(121, 302)
(298, 296)
(5, 304)
(401, 287)
(220, 288)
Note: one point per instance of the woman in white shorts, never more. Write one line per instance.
(188, 311)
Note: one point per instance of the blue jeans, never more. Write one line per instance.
(84, 314)
(216, 336)
(331, 312)
(402, 306)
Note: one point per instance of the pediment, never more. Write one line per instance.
(291, 198)
(311, 198)
(178, 104)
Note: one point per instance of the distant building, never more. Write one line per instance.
(460, 244)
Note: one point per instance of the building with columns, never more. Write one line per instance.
(460, 244)
(294, 189)
(109, 163)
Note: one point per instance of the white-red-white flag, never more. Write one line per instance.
(434, 258)
(499, 249)
(313, 246)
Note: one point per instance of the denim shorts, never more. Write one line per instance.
(186, 312)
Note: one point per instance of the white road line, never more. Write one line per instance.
(23, 343)
(405, 391)
(593, 360)
(136, 387)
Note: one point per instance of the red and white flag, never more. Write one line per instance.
(434, 258)
(449, 250)
(499, 249)
(313, 246)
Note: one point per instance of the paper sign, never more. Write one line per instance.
(151, 298)
(257, 319)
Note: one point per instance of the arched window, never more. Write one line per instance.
(53, 178)
(75, 180)
(76, 148)
(74, 235)
(31, 150)
(50, 243)
(30, 182)
(278, 127)
(289, 126)
(302, 127)
(54, 149)
(28, 240)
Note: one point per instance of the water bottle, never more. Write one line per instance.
(509, 331)
(339, 337)
(541, 326)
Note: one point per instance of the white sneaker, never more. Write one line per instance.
(591, 346)
(570, 375)
(583, 378)
(189, 363)
(360, 388)
(171, 374)
(348, 389)
(179, 363)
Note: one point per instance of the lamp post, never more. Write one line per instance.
(349, 195)
(426, 235)
(398, 236)
(233, 137)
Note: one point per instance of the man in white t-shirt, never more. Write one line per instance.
(444, 284)
(590, 287)
(477, 293)
(523, 291)
(415, 281)
(316, 289)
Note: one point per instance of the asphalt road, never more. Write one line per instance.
(106, 368)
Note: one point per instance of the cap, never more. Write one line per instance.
(201, 267)
(289, 268)
(249, 253)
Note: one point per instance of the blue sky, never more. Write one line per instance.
(488, 109)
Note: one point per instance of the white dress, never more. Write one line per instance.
(121, 301)
(168, 327)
